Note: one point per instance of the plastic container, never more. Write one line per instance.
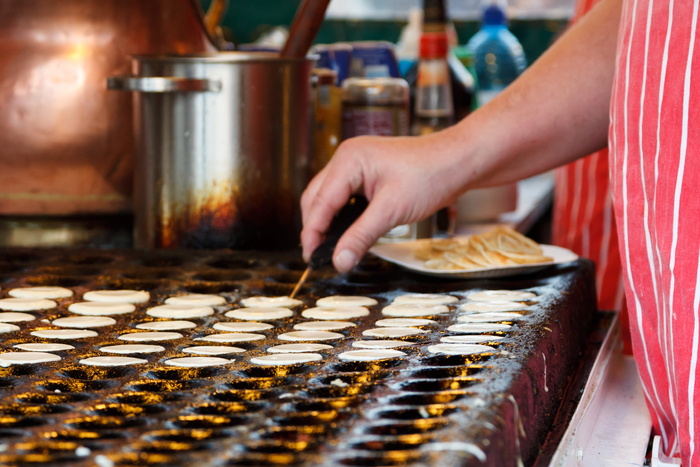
(498, 56)
(373, 59)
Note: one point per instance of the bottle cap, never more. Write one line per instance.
(494, 16)
(433, 45)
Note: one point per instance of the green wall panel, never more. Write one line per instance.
(245, 21)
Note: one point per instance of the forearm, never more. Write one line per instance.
(557, 111)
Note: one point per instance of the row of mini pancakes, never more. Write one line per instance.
(483, 310)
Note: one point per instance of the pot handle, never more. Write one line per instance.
(160, 84)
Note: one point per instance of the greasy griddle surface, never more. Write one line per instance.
(424, 409)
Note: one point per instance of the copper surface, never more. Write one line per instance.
(304, 27)
(67, 141)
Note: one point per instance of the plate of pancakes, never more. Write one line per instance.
(499, 252)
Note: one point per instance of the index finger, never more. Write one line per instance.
(321, 201)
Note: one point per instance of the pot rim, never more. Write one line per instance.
(222, 57)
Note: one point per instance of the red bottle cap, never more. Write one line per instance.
(433, 45)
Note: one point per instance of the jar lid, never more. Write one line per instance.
(382, 90)
(324, 76)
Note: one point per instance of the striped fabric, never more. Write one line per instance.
(584, 222)
(583, 219)
(655, 149)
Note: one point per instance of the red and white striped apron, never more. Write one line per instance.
(583, 218)
(655, 166)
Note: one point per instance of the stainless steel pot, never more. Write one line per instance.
(223, 149)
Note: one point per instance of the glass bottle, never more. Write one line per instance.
(433, 106)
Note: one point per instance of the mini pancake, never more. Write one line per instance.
(213, 349)
(26, 304)
(6, 327)
(424, 299)
(298, 348)
(15, 317)
(404, 322)
(489, 317)
(180, 311)
(43, 347)
(469, 339)
(414, 310)
(281, 359)
(460, 349)
(478, 328)
(64, 333)
(233, 326)
(331, 313)
(132, 348)
(150, 336)
(494, 306)
(270, 302)
(232, 337)
(323, 325)
(41, 292)
(392, 332)
(166, 325)
(196, 299)
(341, 301)
(370, 355)
(380, 344)
(117, 296)
(26, 358)
(310, 336)
(500, 295)
(197, 362)
(83, 322)
(112, 361)
(260, 313)
(100, 308)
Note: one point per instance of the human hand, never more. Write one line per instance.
(405, 179)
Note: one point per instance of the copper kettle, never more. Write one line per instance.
(67, 142)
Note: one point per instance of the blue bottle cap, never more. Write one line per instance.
(494, 16)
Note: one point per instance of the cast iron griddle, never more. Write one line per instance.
(424, 409)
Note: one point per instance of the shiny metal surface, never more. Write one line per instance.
(67, 141)
(110, 231)
(222, 169)
(160, 84)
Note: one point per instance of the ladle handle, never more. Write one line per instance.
(304, 28)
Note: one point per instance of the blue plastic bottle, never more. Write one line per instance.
(498, 56)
